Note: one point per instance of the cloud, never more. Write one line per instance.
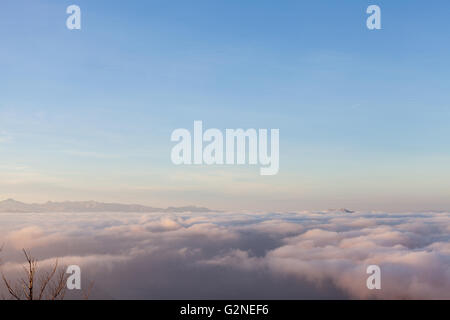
(5, 137)
(91, 154)
(31, 237)
(241, 255)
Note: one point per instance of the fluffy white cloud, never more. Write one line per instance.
(241, 255)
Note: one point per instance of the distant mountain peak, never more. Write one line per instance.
(343, 210)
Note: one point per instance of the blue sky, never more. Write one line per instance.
(363, 115)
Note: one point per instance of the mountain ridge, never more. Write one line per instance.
(13, 206)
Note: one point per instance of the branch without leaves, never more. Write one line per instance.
(52, 285)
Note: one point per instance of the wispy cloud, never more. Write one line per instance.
(92, 154)
(5, 137)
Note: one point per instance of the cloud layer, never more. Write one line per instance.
(297, 255)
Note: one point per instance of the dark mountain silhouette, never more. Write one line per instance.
(341, 210)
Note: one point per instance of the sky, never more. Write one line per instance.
(363, 115)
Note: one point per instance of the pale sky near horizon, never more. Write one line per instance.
(363, 115)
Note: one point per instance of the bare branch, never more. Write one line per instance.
(87, 293)
(45, 280)
(11, 291)
(52, 284)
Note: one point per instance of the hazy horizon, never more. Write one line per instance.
(199, 206)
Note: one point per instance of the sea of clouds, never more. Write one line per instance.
(298, 255)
